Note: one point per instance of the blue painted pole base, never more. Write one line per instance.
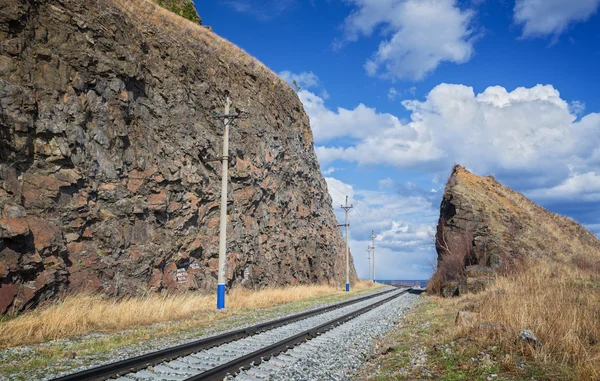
(347, 287)
(220, 296)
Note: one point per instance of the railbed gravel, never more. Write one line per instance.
(81, 363)
(337, 354)
(188, 366)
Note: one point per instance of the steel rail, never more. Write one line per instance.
(263, 354)
(133, 364)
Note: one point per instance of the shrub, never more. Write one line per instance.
(454, 251)
(187, 11)
(586, 263)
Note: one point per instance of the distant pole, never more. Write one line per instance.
(373, 251)
(369, 260)
(347, 208)
(227, 118)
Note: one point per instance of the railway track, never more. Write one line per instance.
(216, 357)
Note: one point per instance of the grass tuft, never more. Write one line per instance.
(559, 304)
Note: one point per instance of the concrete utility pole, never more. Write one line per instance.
(369, 260)
(373, 251)
(347, 208)
(227, 119)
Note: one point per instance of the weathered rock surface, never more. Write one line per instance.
(486, 228)
(106, 136)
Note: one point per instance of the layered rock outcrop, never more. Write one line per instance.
(486, 228)
(107, 141)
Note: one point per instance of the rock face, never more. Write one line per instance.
(486, 228)
(106, 141)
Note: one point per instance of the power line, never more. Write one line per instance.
(333, 186)
(359, 216)
(338, 192)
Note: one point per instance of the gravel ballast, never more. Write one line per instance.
(188, 366)
(81, 362)
(338, 353)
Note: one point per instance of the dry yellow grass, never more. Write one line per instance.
(148, 14)
(559, 303)
(80, 314)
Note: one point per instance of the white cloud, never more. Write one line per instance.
(329, 170)
(422, 34)
(305, 79)
(357, 123)
(593, 228)
(392, 92)
(583, 187)
(577, 107)
(524, 131)
(529, 137)
(551, 17)
(403, 224)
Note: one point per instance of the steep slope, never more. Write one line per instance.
(106, 143)
(486, 228)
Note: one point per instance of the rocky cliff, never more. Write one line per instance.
(106, 146)
(486, 228)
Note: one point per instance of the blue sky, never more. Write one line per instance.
(397, 91)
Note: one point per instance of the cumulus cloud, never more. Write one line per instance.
(551, 17)
(584, 187)
(419, 35)
(524, 131)
(392, 92)
(357, 123)
(577, 107)
(330, 170)
(305, 79)
(403, 223)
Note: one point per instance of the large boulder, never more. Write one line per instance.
(486, 228)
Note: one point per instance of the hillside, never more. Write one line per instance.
(106, 158)
(526, 289)
(486, 228)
